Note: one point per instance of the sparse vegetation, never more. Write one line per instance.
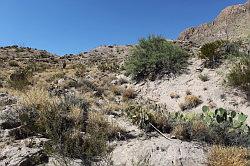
(180, 131)
(108, 66)
(82, 108)
(210, 52)
(64, 121)
(203, 77)
(225, 156)
(155, 56)
(19, 80)
(13, 64)
(216, 127)
(239, 74)
(129, 94)
(191, 101)
(116, 90)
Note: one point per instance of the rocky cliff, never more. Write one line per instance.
(232, 23)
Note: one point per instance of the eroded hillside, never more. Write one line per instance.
(159, 102)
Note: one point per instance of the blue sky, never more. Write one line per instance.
(72, 26)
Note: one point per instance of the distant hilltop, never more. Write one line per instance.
(233, 23)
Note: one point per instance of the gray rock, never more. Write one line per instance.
(160, 152)
(6, 99)
(62, 161)
(9, 118)
(22, 156)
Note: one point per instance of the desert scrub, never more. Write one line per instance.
(22, 77)
(13, 64)
(116, 90)
(155, 56)
(225, 156)
(56, 76)
(90, 86)
(210, 52)
(217, 126)
(80, 69)
(19, 80)
(144, 114)
(181, 131)
(129, 94)
(191, 101)
(239, 73)
(74, 131)
(203, 77)
(108, 66)
(215, 52)
(100, 124)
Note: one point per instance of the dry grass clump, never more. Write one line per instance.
(116, 90)
(97, 122)
(75, 113)
(191, 101)
(200, 130)
(36, 98)
(160, 120)
(174, 95)
(228, 156)
(55, 76)
(181, 132)
(129, 94)
(111, 107)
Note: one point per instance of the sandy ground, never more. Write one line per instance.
(213, 92)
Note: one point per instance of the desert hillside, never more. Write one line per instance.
(231, 24)
(156, 103)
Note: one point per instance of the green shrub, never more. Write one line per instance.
(80, 70)
(36, 67)
(239, 74)
(154, 56)
(108, 66)
(211, 52)
(19, 80)
(13, 64)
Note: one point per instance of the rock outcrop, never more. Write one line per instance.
(233, 23)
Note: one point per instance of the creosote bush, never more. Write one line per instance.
(239, 74)
(215, 52)
(210, 52)
(155, 56)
